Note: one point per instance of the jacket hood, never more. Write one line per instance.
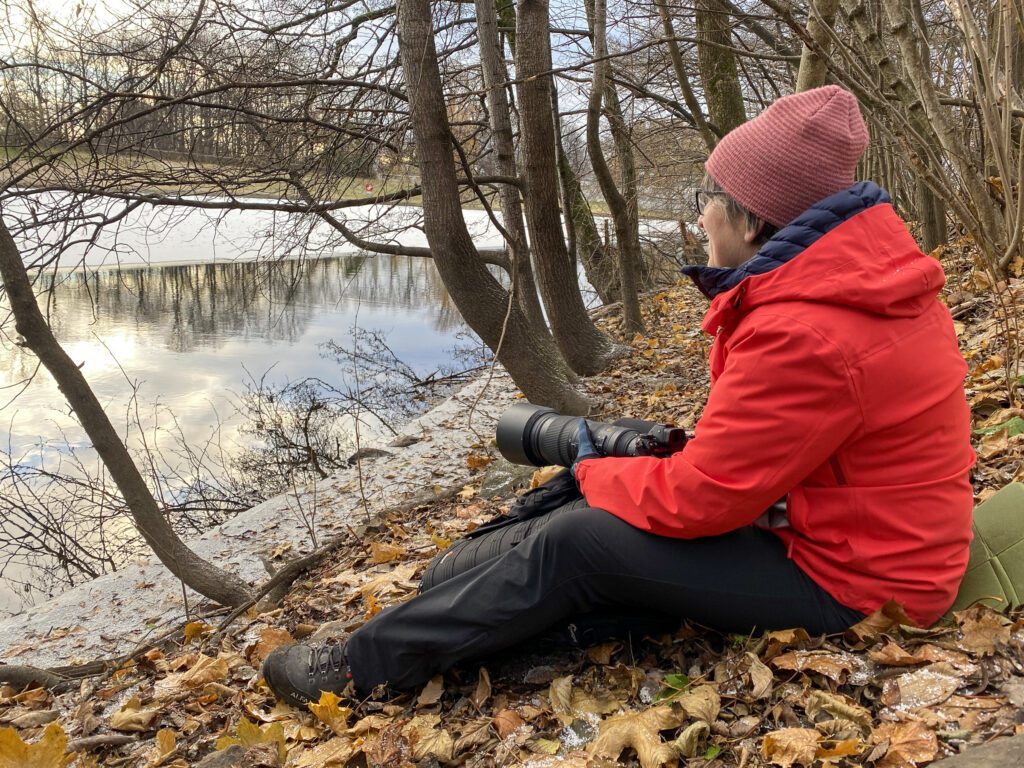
(849, 249)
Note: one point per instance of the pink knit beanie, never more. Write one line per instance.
(801, 149)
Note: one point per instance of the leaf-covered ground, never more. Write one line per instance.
(884, 695)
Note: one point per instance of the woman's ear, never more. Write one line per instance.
(752, 235)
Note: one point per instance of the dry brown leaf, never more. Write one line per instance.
(574, 759)
(473, 735)
(778, 641)
(639, 730)
(134, 717)
(482, 692)
(431, 693)
(866, 631)
(506, 722)
(791, 746)
(425, 738)
(910, 744)
(688, 742)
(162, 749)
(834, 666)
(544, 474)
(981, 628)
(923, 687)
(761, 678)
(271, 638)
(560, 693)
(840, 707)
(48, 752)
(382, 552)
(894, 656)
(602, 654)
(369, 724)
(397, 578)
(841, 749)
(205, 670)
(478, 461)
(328, 711)
(331, 754)
(195, 630)
(701, 703)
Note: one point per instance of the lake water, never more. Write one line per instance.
(184, 339)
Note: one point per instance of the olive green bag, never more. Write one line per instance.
(995, 572)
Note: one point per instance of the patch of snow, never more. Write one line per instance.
(112, 614)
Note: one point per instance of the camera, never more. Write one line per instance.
(532, 434)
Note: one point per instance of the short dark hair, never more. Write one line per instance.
(734, 211)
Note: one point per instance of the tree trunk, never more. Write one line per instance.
(710, 140)
(717, 65)
(203, 577)
(585, 348)
(598, 262)
(527, 353)
(820, 17)
(624, 212)
(495, 79)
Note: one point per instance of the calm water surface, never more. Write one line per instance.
(184, 339)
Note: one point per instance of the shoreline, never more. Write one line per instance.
(112, 614)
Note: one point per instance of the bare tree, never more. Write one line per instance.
(205, 578)
(528, 355)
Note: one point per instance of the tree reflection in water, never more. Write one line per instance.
(205, 347)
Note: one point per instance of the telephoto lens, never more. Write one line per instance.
(533, 434)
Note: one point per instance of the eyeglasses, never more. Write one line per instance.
(702, 197)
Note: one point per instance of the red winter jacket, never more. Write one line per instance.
(837, 383)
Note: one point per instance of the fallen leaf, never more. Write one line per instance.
(330, 714)
(425, 738)
(483, 689)
(639, 730)
(468, 492)
(478, 461)
(688, 742)
(271, 638)
(507, 722)
(923, 687)
(48, 752)
(840, 707)
(440, 541)
(331, 754)
(834, 666)
(981, 628)
(791, 746)
(474, 734)
(602, 654)
(544, 474)
(781, 639)
(761, 678)
(893, 655)
(841, 749)
(910, 744)
(248, 734)
(205, 670)
(431, 693)
(134, 717)
(195, 630)
(382, 552)
(865, 631)
(163, 748)
(701, 703)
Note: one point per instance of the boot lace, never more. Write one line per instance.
(327, 662)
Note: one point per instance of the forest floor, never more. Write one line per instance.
(884, 694)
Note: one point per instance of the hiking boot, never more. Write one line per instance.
(299, 673)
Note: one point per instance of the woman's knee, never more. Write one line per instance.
(589, 533)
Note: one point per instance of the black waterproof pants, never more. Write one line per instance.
(584, 560)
